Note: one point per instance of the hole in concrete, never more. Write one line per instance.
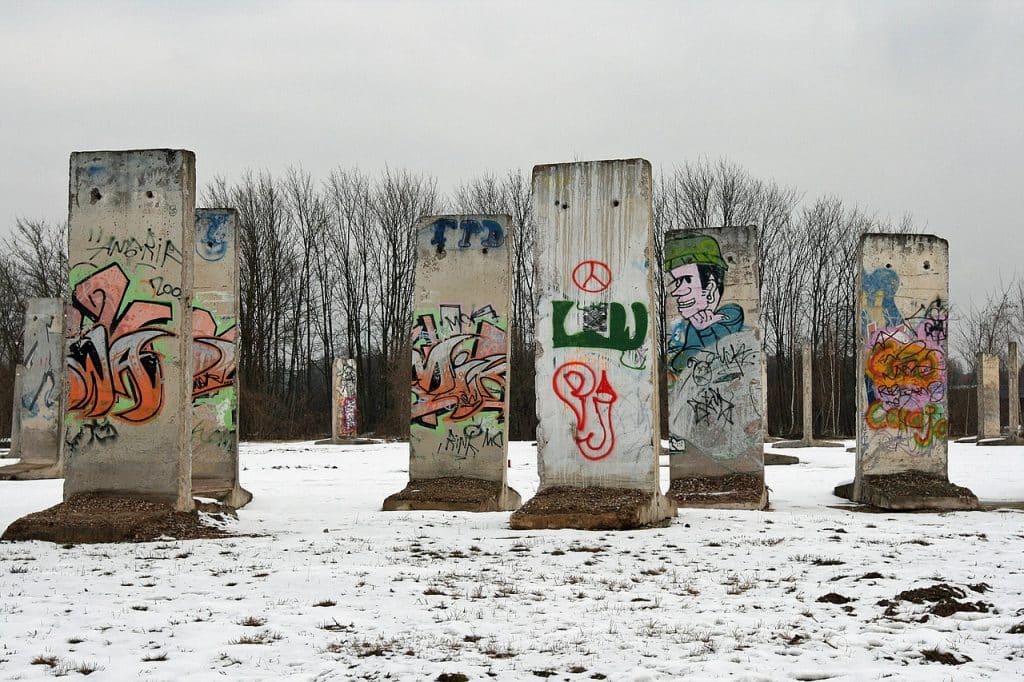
(615, 202)
(565, 206)
(730, 259)
(485, 250)
(927, 265)
(440, 250)
(94, 195)
(557, 202)
(888, 265)
(149, 194)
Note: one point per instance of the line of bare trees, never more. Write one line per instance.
(327, 270)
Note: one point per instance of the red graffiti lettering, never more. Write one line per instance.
(592, 276)
(111, 358)
(577, 386)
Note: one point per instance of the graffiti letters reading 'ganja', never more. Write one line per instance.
(457, 374)
(112, 366)
(905, 371)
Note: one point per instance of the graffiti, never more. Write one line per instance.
(720, 364)
(113, 367)
(163, 288)
(591, 401)
(212, 236)
(457, 374)
(904, 368)
(618, 335)
(150, 252)
(592, 276)
(697, 269)
(711, 407)
(495, 235)
(47, 390)
(474, 437)
(213, 354)
(89, 432)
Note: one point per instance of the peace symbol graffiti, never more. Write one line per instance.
(592, 276)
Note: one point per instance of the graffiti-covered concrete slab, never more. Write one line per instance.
(988, 397)
(344, 400)
(458, 433)
(128, 331)
(713, 357)
(214, 352)
(596, 354)
(902, 293)
(38, 393)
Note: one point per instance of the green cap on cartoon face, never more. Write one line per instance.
(695, 249)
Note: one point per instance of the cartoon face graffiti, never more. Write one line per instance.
(697, 269)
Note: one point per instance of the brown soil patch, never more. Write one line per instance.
(107, 518)
(945, 658)
(451, 489)
(718, 490)
(568, 500)
(944, 600)
(916, 484)
(834, 598)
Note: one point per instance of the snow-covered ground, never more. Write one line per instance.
(327, 587)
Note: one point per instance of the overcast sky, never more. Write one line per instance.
(899, 106)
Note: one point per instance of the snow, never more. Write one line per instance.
(412, 595)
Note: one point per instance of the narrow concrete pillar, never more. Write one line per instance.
(988, 396)
(1013, 391)
(214, 351)
(37, 400)
(458, 435)
(596, 355)
(131, 226)
(713, 347)
(807, 404)
(902, 307)
(344, 412)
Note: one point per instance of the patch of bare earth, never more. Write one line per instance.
(108, 518)
(728, 489)
(916, 484)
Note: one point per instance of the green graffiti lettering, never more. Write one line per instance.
(618, 336)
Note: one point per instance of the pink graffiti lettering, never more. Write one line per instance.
(213, 354)
(591, 402)
(460, 375)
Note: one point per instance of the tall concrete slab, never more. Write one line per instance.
(989, 425)
(37, 398)
(713, 354)
(214, 353)
(596, 354)
(344, 400)
(902, 307)
(458, 433)
(128, 331)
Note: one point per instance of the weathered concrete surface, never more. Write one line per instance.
(459, 413)
(35, 437)
(1013, 435)
(902, 308)
(807, 406)
(597, 358)
(214, 352)
(713, 345)
(988, 396)
(344, 396)
(128, 331)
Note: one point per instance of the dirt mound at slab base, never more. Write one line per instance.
(737, 491)
(454, 493)
(593, 508)
(109, 518)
